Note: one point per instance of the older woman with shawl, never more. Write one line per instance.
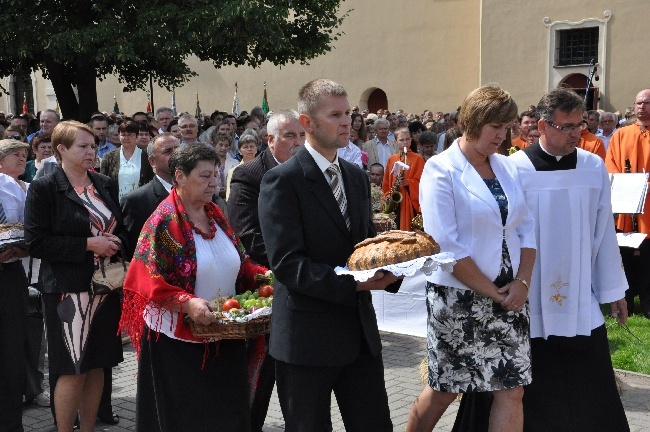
(186, 255)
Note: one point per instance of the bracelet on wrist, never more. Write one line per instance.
(524, 283)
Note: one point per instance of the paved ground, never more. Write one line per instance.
(402, 356)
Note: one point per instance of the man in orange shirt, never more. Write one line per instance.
(527, 119)
(409, 187)
(628, 152)
(589, 141)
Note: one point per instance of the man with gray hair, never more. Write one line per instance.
(380, 148)
(138, 205)
(48, 120)
(189, 127)
(608, 122)
(313, 209)
(283, 142)
(164, 116)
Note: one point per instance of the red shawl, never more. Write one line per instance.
(163, 269)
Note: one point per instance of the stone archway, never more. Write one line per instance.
(578, 83)
(374, 99)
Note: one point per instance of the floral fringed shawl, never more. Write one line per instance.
(163, 270)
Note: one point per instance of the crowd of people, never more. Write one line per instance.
(199, 206)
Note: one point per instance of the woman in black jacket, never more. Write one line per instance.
(72, 219)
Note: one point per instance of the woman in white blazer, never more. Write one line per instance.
(478, 330)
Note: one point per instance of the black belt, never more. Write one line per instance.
(10, 265)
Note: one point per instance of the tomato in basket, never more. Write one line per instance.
(265, 291)
(231, 303)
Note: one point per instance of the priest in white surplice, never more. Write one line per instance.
(578, 267)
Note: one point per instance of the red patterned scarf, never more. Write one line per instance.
(163, 270)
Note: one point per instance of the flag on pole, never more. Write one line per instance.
(116, 109)
(265, 102)
(148, 102)
(198, 108)
(174, 102)
(235, 103)
(25, 108)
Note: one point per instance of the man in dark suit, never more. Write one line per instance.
(313, 209)
(138, 205)
(284, 140)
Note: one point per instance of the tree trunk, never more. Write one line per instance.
(87, 89)
(62, 85)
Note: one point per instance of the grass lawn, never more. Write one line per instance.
(626, 351)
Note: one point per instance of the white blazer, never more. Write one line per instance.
(461, 214)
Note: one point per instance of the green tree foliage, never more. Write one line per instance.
(74, 42)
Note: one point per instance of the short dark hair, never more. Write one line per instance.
(172, 123)
(376, 164)
(560, 99)
(40, 138)
(216, 113)
(416, 126)
(531, 114)
(141, 113)
(594, 113)
(129, 126)
(428, 138)
(186, 158)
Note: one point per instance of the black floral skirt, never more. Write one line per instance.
(474, 344)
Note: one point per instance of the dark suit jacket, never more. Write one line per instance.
(111, 166)
(57, 225)
(318, 318)
(137, 206)
(242, 204)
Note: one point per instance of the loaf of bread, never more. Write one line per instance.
(391, 247)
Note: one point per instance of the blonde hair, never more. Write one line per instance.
(484, 105)
(65, 132)
(404, 131)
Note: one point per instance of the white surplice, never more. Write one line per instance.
(578, 263)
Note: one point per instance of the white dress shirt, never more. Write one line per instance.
(351, 153)
(128, 178)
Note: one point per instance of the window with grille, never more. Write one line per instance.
(577, 46)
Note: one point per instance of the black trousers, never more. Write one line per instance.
(636, 263)
(33, 342)
(305, 395)
(13, 320)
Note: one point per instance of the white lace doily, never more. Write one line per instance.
(443, 261)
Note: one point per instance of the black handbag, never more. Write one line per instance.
(35, 298)
(109, 278)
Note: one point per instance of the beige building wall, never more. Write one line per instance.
(515, 49)
(425, 54)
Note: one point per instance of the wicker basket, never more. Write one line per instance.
(384, 222)
(227, 329)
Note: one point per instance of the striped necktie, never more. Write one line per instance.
(337, 188)
(3, 215)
